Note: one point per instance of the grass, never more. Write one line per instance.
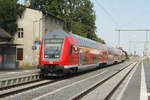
(146, 60)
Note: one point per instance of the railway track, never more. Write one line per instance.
(109, 95)
(24, 87)
(89, 88)
(37, 90)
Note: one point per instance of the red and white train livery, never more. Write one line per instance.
(63, 52)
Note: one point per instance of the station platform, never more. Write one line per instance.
(138, 87)
(13, 77)
(135, 87)
(12, 73)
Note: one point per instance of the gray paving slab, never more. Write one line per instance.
(13, 73)
(132, 91)
(147, 75)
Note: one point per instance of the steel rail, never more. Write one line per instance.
(2, 95)
(117, 86)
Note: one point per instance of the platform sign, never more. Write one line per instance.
(37, 41)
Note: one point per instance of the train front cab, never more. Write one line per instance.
(58, 53)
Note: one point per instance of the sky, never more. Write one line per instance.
(123, 14)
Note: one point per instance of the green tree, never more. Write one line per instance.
(88, 18)
(78, 15)
(10, 10)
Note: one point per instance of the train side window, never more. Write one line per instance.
(85, 60)
(70, 51)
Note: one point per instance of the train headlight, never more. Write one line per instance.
(46, 56)
(56, 56)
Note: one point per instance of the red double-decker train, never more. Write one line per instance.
(63, 52)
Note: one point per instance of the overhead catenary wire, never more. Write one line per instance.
(141, 15)
(107, 12)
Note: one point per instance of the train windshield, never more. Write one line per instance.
(52, 48)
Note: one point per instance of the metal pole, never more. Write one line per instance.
(118, 37)
(129, 46)
(145, 44)
(39, 29)
(146, 36)
(33, 42)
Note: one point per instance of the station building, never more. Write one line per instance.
(7, 51)
(31, 26)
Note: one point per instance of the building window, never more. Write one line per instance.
(19, 53)
(20, 32)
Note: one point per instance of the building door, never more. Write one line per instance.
(9, 58)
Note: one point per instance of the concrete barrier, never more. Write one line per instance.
(15, 80)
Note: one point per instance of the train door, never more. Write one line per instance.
(81, 57)
(110, 58)
(75, 54)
